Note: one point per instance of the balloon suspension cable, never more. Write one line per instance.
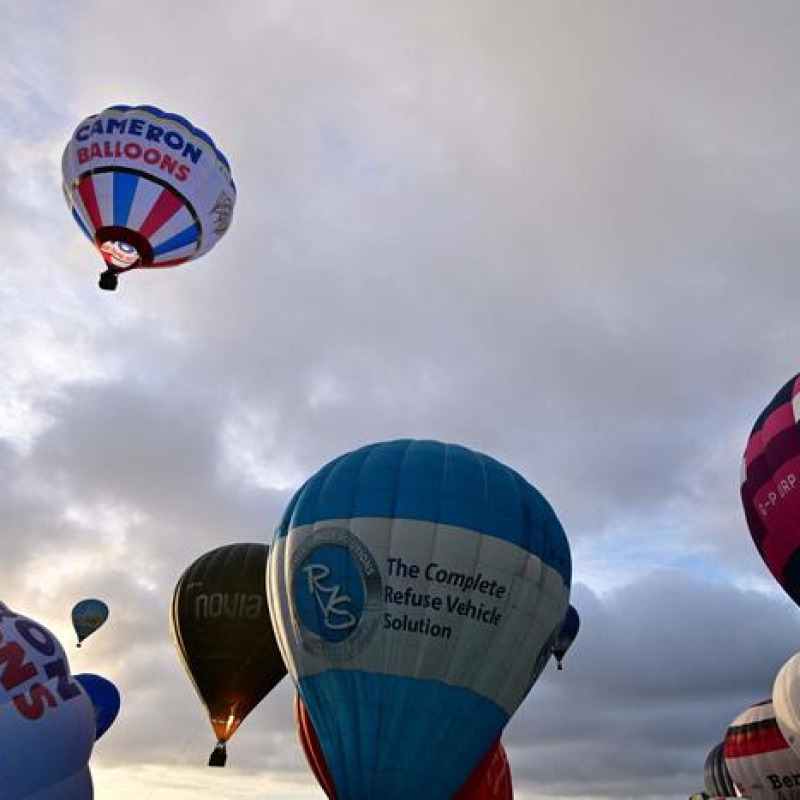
(218, 756)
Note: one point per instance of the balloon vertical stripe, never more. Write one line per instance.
(186, 237)
(125, 184)
(86, 191)
(165, 207)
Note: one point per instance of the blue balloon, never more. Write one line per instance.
(105, 698)
(415, 589)
(87, 616)
(566, 634)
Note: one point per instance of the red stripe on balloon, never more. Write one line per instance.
(164, 209)
(89, 198)
(754, 739)
(173, 262)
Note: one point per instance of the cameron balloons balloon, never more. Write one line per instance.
(566, 634)
(771, 487)
(87, 616)
(222, 628)
(147, 188)
(46, 719)
(105, 700)
(761, 763)
(490, 780)
(415, 589)
(717, 779)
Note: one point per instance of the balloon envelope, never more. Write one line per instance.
(146, 187)
(46, 719)
(566, 634)
(87, 616)
(771, 487)
(717, 778)
(415, 587)
(490, 780)
(786, 701)
(761, 763)
(105, 700)
(222, 629)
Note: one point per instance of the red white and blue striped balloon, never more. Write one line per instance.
(147, 186)
(415, 589)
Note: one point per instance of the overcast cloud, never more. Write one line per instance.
(563, 233)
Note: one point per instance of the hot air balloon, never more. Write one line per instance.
(490, 780)
(147, 188)
(222, 629)
(761, 763)
(46, 719)
(87, 616)
(786, 701)
(105, 700)
(717, 779)
(412, 586)
(566, 634)
(771, 487)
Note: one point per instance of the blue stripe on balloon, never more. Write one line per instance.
(124, 189)
(433, 482)
(185, 237)
(408, 737)
(77, 217)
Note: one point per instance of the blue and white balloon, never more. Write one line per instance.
(415, 589)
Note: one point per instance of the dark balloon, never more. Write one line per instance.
(105, 700)
(490, 780)
(222, 628)
(771, 487)
(566, 634)
(718, 781)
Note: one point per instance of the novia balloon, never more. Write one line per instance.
(222, 629)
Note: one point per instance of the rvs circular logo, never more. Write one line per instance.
(336, 592)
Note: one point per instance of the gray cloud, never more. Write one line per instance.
(562, 235)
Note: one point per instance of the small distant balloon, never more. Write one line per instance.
(147, 188)
(87, 616)
(566, 634)
(105, 699)
(47, 725)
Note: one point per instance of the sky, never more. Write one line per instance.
(562, 233)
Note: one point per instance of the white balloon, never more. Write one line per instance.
(786, 699)
(760, 761)
(47, 722)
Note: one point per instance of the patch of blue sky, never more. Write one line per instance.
(632, 548)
